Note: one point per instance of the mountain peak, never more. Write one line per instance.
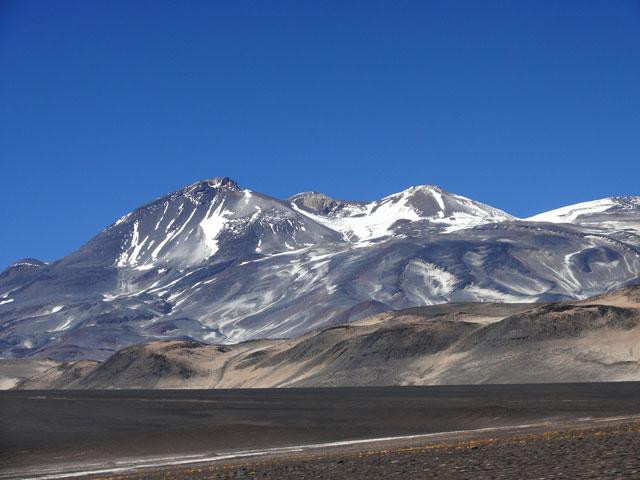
(428, 187)
(315, 202)
(203, 186)
(25, 263)
(223, 182)
(359, 221)
(22, 266)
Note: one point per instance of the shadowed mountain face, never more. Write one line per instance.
(466, 343)
(217, 263)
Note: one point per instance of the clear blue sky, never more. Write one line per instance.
(105, 105)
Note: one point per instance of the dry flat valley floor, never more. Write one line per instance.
(446, 432)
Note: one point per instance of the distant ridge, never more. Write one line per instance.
(592, 340)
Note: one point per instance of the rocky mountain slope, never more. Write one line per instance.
(216, 263)
(468, 343)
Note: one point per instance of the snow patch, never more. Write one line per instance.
(122, 219)
(129, 257)
(488, 295)
(171, 236)
(145, 267)
(424, 282)
(571, 213)
(64, 325)
(364, 222)
(361, 223)
(212, 224)
(166, 206)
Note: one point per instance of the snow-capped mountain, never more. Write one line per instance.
(219, 263)
(364, 221)
(583, 212)
(209, 220)
(618, 216)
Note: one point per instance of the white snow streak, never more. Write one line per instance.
(173, 235)
(63, 326)
(166, 206)
(212, 225)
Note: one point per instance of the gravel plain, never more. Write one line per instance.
(610, 452)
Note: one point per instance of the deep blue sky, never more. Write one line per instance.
(104, 106)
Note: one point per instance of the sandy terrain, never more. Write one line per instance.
(14, 371)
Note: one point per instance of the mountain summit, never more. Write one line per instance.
(359, 221)
(216, 262)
